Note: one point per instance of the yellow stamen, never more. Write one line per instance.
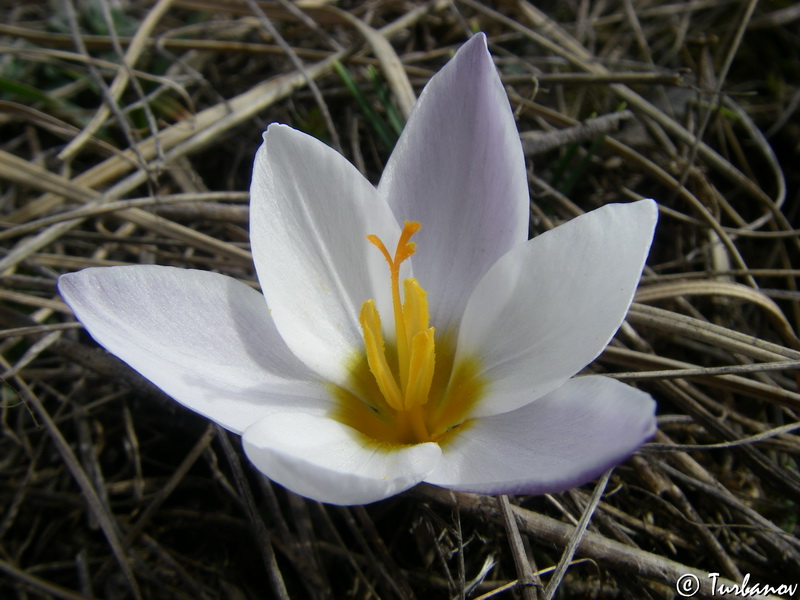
(415, 308)
(407, 391)
(376, 355)
(415, 340)
(420, 369)
(405, 249)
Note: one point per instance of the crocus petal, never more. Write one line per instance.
(205, 339)
(564, 439)
(551, 305)
(310, 213)
(321, 459)
(459, 170)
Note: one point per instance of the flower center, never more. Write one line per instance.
(416, 354)
(408, 390)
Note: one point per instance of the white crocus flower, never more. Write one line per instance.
(364, 370)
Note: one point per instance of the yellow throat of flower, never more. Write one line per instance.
(405, 393)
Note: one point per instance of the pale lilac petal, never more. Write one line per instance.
(562, 440)
(310, 213)
(459, 170)
(321, 459)
(550, 306)
(205, 339)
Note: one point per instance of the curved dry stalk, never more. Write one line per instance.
(95, 505)
(725, 289)
(527, 578)
(389, 61)
(265, 22)
(576, 537)
(603, 550)
(122, 78)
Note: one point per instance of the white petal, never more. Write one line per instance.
(550, 306)
(310, 213)
(321, 459)
(562, 440)
(205, 339)
(459, 170)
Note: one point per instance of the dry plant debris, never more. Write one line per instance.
(128, 131)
